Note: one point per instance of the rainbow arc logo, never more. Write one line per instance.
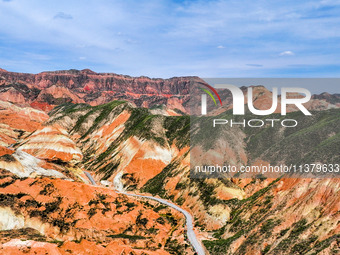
(239, 99)
(209, 93)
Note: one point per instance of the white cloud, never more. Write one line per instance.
(254, 65)
(330, 2)
(287, 53)
(62, 15)
(151, 37)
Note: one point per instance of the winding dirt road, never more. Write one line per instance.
(190, 230)
(188, 218)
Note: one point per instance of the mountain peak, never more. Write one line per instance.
(71, 71)
(88, 71)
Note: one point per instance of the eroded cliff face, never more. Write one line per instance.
(48, 89)
(48, 206)
(286, 216)
(169, 96)
(52, 143)
(77, 216)
(235, 216)
(47, 200)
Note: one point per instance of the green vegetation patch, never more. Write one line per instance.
(156, 184)
(240, 226)
(178, 130)
(221, 246)
(125, 236)
(294, 145)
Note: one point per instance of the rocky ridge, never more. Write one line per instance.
(168, 96)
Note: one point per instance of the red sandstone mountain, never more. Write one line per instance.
(151, 154)
(48, 89)
(48, 205)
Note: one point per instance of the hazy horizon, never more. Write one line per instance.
(314, 85)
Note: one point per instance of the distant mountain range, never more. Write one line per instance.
(49, 89)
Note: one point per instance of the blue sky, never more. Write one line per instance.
(173, 38)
